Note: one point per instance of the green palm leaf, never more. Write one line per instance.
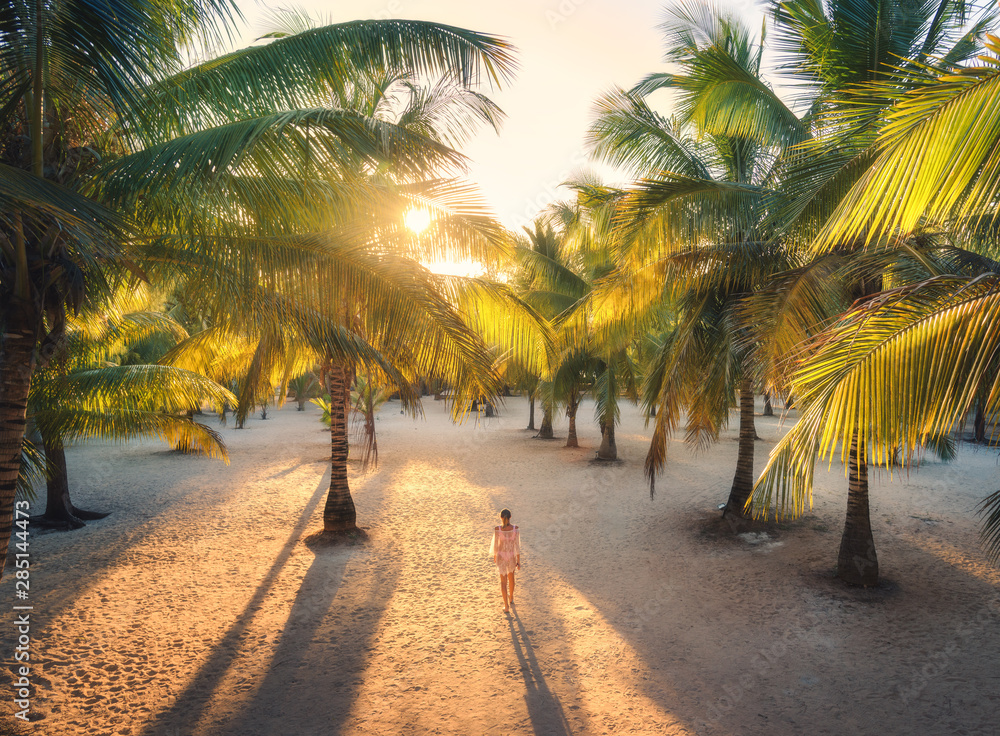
(899, 371)
(319, 65)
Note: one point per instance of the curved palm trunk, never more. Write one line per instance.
(608, 449)
(17, 362)
(546, 432)
(571, 407)
(531, 411)
(59, 509)
(743, 479)
(857, 563)
(339, 514)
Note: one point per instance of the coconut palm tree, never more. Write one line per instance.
(694, 231)
(187, 143)
(861, 58)
(613, 374)
(568, 252)
(937, 118)
(304, 387)
(391, 316)
(83, 393)
(370, 393)
(548, 283)
(67, 70)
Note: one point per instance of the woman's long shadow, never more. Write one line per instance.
(544, 709)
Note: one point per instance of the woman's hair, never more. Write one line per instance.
(505, 514)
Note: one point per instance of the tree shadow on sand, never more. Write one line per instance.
(316, 673)
(281, 689)
(544, 709)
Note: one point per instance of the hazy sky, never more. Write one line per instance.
(570, 51)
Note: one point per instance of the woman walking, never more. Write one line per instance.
(506, 551)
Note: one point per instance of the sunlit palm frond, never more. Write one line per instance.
(795, 306)
(899, 371)
(679, 209)
(294, 140)
(131, 424)
(448, 112)
(158, 386)
(317, 65)
(937, 158)
(627, 132)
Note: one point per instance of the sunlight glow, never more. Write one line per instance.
(456, 268)
(417, 220)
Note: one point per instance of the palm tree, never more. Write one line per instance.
(304, 387)
(861, 59)
(548, 283)
(947, 315)
(391, 316)
(66, 71)
(695, 236)
(83, 394)
(368, 396)
(197, 154)
(607, 356)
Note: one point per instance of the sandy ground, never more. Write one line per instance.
(200, 607)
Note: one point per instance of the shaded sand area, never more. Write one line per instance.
(200, 607)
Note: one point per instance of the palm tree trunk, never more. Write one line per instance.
(857, 563)
(339, 514)
(608, 449)
(979, 425)
(571, 408)
(768, 409)
(743, 479)
(531, 411)
(546, 432)
(59, 509)
(17, 362)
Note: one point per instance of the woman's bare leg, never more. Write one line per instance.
(510, 580)
(503, 592)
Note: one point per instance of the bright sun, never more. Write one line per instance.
(417, 220)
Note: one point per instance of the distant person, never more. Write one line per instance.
(506, 551)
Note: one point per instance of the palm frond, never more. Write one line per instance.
(318, 65)
(899, 371)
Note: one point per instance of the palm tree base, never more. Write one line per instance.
(725, 529)
(67, 520)
(598, 460)
(327, 538)
(732, 509)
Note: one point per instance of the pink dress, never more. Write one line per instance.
(506, 545)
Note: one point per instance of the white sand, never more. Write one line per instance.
(198, 608)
